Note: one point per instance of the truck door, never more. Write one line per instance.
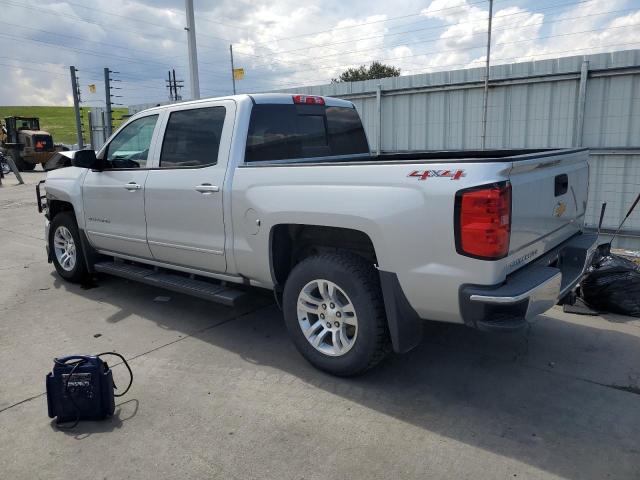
(114, 198)
(184, 196)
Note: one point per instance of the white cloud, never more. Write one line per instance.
(24, 88)
(142, 39)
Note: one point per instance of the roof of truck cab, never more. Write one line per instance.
(256, 98)
(33, 132)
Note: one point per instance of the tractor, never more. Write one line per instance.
(22, 139)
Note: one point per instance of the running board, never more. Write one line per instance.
(214, 292)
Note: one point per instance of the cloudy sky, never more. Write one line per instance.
(281, 43)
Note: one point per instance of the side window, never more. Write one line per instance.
(192, 138)
(130, 147)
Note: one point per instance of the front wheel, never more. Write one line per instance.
(335, 315)
(65, 248)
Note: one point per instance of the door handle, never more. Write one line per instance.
(132, 186)
(207, 188)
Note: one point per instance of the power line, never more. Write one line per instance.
(363, 24)
(314, 67)
(128, 17)
(366, 23)
(456, 50)
(50, 72)
(525, 12)
(121, 58)
(504, 27)
(56, 14)
(125, 47)
(96, 42)
(433, 27)
(436, 39)
(133, 60)
(90, 52)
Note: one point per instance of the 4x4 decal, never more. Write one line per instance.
(424, 174)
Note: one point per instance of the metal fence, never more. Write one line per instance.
(591, 100)
(97, 127)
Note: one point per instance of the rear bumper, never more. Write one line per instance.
(531, 290)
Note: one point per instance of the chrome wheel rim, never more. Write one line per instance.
(64, 248)
(327, 317)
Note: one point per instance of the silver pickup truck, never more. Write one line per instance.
(281, 192)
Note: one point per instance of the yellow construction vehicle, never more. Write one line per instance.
(22, 139)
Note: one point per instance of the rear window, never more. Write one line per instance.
(42, 142)
(282, 132)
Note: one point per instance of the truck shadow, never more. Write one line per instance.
(540, 396)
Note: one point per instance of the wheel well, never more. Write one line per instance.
(54, 207)
(291, 243)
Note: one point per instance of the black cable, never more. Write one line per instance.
(128, 368)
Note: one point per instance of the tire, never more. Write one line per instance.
(64, 237)
(21, 165)
(345, 349)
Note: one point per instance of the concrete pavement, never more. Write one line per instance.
(222, 393)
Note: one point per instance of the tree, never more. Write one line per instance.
(375, 70)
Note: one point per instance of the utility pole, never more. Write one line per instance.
(193, 54)
(76, 105)
(233, 76)
(173, 85)
(108, 126)
(485, 102)
(176, 85)
(170, 85)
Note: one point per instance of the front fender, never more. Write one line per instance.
(65, 185)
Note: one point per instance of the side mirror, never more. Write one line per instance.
(85, 159)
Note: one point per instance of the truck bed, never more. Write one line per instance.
(426, 156)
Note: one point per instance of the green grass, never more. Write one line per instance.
(59, 121)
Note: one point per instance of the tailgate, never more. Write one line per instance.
(549, 198)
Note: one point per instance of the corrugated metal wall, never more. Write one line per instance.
(591, 100)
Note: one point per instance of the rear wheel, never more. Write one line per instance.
(335, 315)
(65, 248)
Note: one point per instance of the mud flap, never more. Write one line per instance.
(405, 326)
(91, 256)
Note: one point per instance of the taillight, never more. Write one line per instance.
(483, 221)
(308, 99)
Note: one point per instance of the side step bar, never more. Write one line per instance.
(198, 288)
